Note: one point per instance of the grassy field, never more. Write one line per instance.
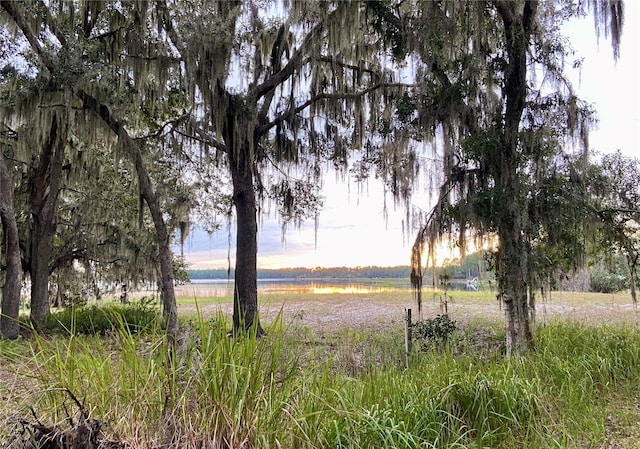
(332, 373)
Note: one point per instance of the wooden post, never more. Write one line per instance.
(407, 334)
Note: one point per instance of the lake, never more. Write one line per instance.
(221, 287)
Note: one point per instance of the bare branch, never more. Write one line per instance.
(201, 136)
(159, 132)
(113, 32)
(154, 58)
(344, 65)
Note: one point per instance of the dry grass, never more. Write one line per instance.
(329, 312)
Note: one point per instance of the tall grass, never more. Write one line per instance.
(295, 390)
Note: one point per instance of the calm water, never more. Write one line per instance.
(219, 288)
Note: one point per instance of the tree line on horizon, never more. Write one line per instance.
(370, 272)
(472, 265)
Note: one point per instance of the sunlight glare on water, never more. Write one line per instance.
(221, 289)
(314, 288)
(347, 289)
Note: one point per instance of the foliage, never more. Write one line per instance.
(277, 95)
(615, 189)
(136, 317)
(272, 392)
(498, 135)
(606, 282)
(186, 90)
(87, 119)
(437, 330)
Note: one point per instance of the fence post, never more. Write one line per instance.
(407, 334)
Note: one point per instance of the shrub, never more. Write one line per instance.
(436, 330)
(606, 282)
(102, 319)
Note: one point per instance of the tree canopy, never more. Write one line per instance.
(85, 89)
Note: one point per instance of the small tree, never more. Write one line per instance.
(616, 195)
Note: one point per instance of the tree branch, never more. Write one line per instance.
(168, 25)
(297, 58)
(200, 135)
(344, 65)
(16, 16)
(52, 26)
(276, 56)
(621, 210)
(158, 133)
(327, 96)
(528, 16)
(505, 12)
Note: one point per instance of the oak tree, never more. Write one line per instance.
(278, 91)
(496, 105)
(91, 74)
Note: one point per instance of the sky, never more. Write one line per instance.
(352, 227)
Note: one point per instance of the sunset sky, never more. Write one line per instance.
(352, 230)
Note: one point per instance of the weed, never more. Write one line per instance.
(295, 389)
(436, 330)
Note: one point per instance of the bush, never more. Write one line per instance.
(436, 330)
(95, 319)
(606, 282)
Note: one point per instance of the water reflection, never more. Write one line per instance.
(315, 288)
(221, 288)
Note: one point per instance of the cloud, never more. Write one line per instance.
(355, 235)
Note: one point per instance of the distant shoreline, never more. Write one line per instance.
(300, 273)
(316, 279)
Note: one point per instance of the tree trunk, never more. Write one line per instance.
(45, 189)
(167, 291)
(512, 284)
(513, 250)
(245, 295)
(632, 261)
(13, 274)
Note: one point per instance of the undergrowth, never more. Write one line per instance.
(140, 316)
(349, 390)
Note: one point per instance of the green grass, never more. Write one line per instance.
(347, 389)
(104, 318)
(204, 300)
